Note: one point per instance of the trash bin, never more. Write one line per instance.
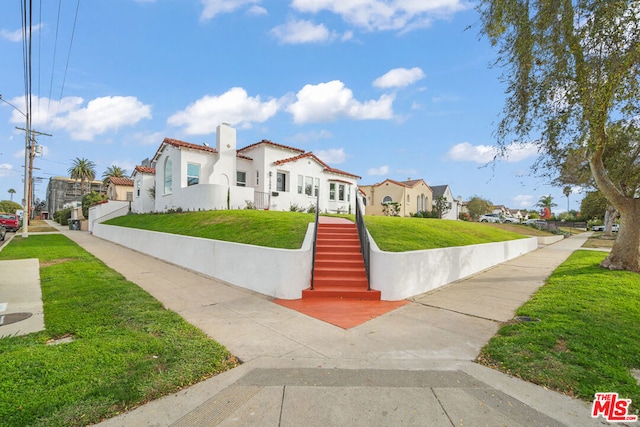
(74, 224)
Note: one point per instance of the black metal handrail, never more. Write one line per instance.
(365, 245)
(315, 239)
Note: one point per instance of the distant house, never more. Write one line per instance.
(412, 196)
(120, 189)
(144, 178)
(264, 175)
(454, 206)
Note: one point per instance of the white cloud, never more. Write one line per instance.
(234, 107)
(332, 156)
(384, 15)
(100, 115)
(523, 201)
(258, 10)
(16, 36)
(399, 77)
(298, 32)
(215, 7)
(330, 101)
(5, 169)
(465, 152)
(381, 171)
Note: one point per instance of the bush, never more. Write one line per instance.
(62, 217)
(91, 199)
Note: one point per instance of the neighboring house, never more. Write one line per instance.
(453, 205)
(517, 213)
(120, 189)
(412, 196)
(500, 210)
(64, 192)
(264, 175)
(144, 178)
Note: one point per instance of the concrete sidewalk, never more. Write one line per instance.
(412, 366)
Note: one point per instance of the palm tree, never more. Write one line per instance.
(113, 171)
(83, 170)
(11, 193)
(546, 203)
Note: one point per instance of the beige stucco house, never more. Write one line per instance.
(412, 196)
(120, 189)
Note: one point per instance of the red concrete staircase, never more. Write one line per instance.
(339, 270)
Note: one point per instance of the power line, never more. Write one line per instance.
(73, 32)
(53, 65)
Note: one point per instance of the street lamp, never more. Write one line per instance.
(26, 208)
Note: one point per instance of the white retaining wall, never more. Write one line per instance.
(284, 273)
(281, 273)
(401, 275)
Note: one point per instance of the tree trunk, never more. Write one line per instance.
(609, 218)
(625, 254)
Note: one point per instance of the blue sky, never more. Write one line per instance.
(382, 89)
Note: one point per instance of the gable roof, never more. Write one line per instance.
(116, 180)
(182, 144)
(326, 167)
(407, 184)
(145, 169)
(439, 190)
(266, 141)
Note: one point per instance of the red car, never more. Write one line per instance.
(10, 221)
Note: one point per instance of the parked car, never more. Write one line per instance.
(614, 227)
(490, 218)
(10, 221)
(510, 220)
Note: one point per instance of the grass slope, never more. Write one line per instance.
(396, 234)
(587, 337)
(126, 350)
(287, 229)
(284, 230)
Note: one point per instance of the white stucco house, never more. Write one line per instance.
(266, 175)
(453, 204)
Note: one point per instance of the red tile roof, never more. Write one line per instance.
(314, 157)
(178, 143)
(121, 181)
(266, 141)
(145, 169)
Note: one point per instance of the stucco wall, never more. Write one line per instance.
(281, 273)
(104, 211)
(405, 274)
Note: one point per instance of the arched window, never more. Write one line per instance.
(168, 176)
(387, 199)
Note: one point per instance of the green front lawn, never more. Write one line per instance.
(126, 347)
(587, 339)
(272, 229)
(287, 229)
(396, 234)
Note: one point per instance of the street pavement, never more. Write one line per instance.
(413, 366)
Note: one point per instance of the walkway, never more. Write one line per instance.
(412, 366)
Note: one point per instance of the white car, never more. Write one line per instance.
(510, 220)
(490, 218)
(614, 228)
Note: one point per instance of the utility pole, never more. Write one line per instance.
(29, 187)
